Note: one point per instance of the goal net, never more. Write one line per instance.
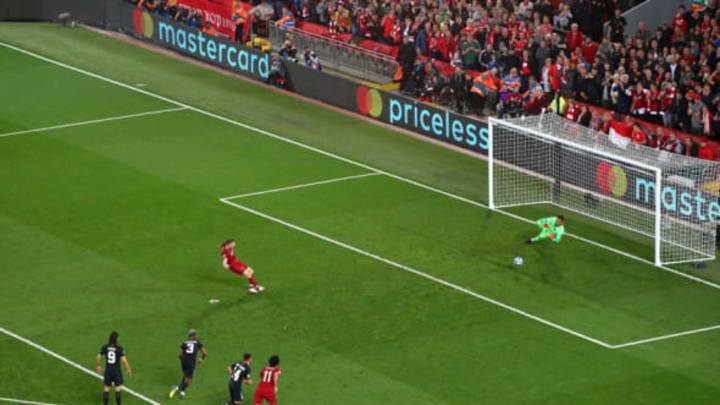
(663, 196)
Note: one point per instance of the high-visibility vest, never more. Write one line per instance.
(399, 73)
(484, 83)
(241, 15)
(210, 31)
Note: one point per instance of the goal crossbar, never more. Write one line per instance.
(546, 160)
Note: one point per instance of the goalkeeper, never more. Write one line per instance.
(550, 227)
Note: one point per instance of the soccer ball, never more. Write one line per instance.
(518, 261)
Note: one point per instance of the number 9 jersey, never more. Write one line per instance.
(113, 374)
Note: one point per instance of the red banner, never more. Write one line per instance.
(219, 15)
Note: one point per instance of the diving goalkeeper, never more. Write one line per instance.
(550, 227)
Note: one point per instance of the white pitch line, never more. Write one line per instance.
(346, 160)
(21, 401)
(315, 183)
(72, 363)
(655, 339)
(97, 121)
(418, 273)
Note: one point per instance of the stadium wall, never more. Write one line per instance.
(653, 13)
(88, 11)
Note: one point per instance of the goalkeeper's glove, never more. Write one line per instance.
(552, 237)
(546, 225)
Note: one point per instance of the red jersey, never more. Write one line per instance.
(574, 40)
(624, 130)
(639, 101)
(267, 377)
(588, 52)
(705, 152)
(639, 136)
(233, 262)
(571, 113)
(667, 98)
(680, 21)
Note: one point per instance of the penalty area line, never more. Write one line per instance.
(72, 363)
(22, 401)
(419, 273)
(315, 183)
(665, 337)
(97, 121)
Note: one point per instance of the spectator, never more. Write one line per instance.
(470, 50)
(673, 144)
(311, 59)
(617, 27)
(277, 73)
(406, 59)
(510, 101)
(621, 132)
(705, 151)
(458, 89)
(287, 21)
(288, 51)
(624, 94)
(680, 20)
(562, 20)
(585, 116)
(639, 136)
(574, 38)
(571, 111)
(695, 111)
(601, 124)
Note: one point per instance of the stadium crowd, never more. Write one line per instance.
(520, 56)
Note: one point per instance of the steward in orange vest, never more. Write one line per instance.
(240, 17)
(209, 29)
(486, 82)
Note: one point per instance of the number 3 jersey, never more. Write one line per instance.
(190, 349)
(112, 354)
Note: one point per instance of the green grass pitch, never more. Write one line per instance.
(379, 290)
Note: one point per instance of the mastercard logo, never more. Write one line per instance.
(143, 23)
(611, 179)
(369, 101)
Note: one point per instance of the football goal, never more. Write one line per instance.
(663, 196)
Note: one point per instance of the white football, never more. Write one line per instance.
(518, 261)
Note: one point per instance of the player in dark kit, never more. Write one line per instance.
(231, 263)
(239, 374)
(113, 354)
(269, 378)
(188, 359)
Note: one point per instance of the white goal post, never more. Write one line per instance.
(663, 196)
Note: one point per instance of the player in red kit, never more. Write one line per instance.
(231, 263)
(268, 387)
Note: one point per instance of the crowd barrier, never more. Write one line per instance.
(343, 56)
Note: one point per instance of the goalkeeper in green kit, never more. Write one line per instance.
(550, 227)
